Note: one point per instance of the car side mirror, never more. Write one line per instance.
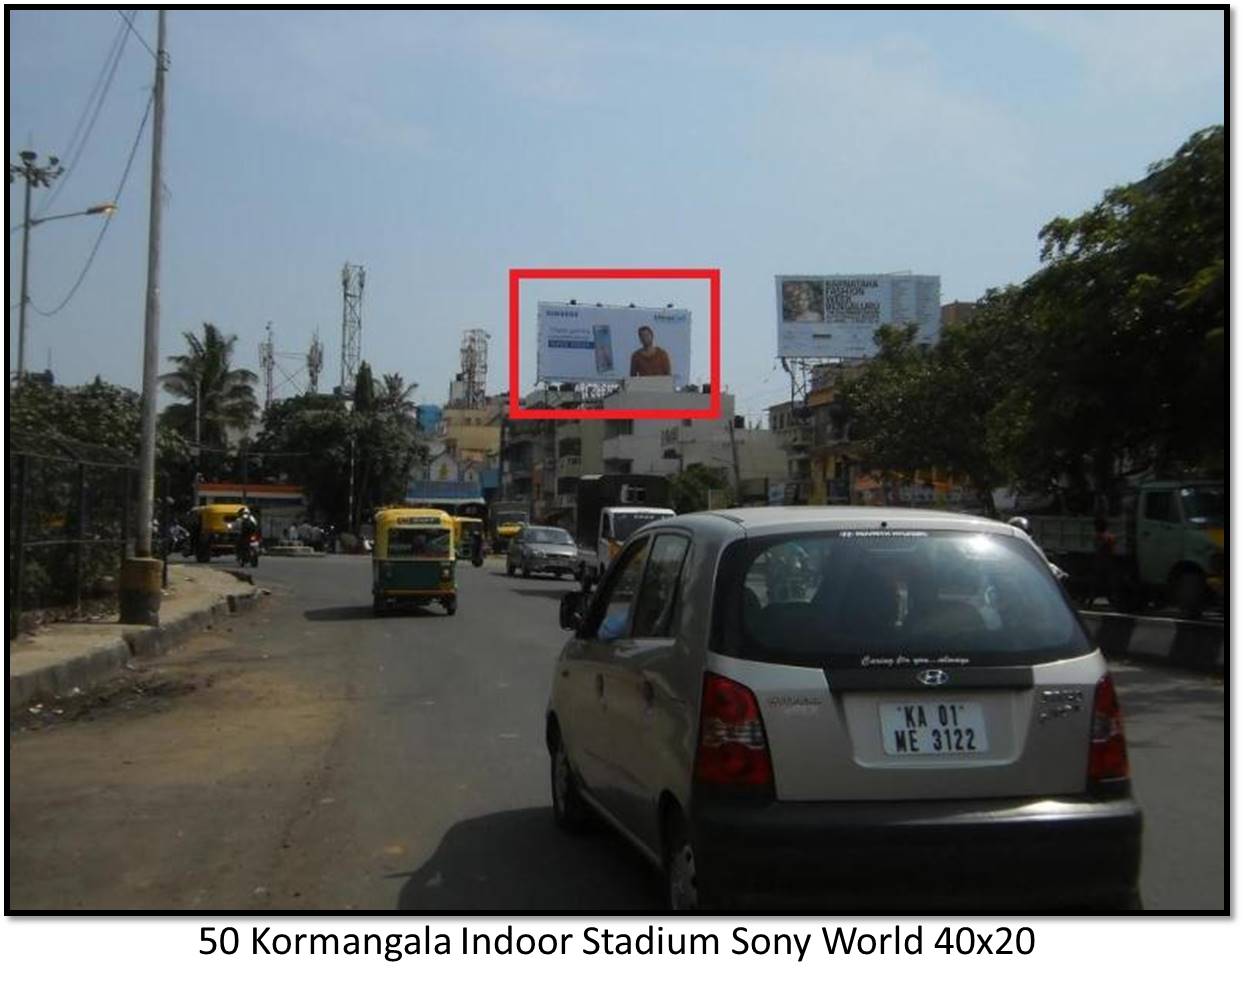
(572, 608)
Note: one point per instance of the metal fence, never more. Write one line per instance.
(70, 521)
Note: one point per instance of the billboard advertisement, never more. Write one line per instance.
(609, 343)
(835, 316)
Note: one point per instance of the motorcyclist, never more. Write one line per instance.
(1021, 523)
(247, 526)
(178, 537)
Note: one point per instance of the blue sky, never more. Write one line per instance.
(440, 149)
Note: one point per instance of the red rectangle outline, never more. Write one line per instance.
(713, 276)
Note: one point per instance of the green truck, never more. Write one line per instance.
(1170, 546)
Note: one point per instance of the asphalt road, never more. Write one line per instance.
(330, 759)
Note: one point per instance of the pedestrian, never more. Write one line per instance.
(1104, 546)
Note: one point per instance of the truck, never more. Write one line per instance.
(610, 507)
(1170, 546)
(505, 519)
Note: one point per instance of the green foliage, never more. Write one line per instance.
(105, 417)
(204, 376)
(1110, 359)
(317, 440)
(689, 489)
(89, 438)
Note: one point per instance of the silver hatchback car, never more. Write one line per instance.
(879, 708)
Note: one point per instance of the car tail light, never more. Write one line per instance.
(733, 749)
(1107, 760)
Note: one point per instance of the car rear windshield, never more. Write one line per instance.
(885, 598)
(626, 523)
(418, 542)
(547, 534)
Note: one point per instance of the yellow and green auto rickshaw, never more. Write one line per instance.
(412, 558)
(212, 530)
(465, 528)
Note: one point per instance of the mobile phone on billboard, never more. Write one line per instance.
(603, 339)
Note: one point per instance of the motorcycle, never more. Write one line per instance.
(249, 554)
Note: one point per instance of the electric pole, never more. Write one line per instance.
(140, 576)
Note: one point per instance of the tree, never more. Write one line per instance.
(1132, 304)
(396, 396)
(1108, 360)
(689, 488)
(318, 441)
(218, 396)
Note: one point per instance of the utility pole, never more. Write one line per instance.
(733, 445)
(140, 575)
(35, 175)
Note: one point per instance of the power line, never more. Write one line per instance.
(99, 94)
(129, 22)
(116, 199)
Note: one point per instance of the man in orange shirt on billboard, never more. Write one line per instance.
(649, 359)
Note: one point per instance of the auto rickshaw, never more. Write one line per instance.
(465, 529)
(412, 558)
(212, 530)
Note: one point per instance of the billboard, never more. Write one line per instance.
(835, 316)
(609, 343)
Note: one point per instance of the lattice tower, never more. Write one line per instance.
(475, 366)
(353, 278)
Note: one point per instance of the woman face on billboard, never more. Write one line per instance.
(802, 302)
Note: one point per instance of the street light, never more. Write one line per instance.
(106, 208)
(39, 175)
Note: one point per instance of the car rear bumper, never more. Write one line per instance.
(1062, 854)
(559, 565)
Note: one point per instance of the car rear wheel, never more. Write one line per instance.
(569, 810)
(684, 882)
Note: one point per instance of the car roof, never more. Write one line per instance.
(762, 521)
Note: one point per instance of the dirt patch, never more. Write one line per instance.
(129, 693)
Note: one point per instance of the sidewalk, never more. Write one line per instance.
(66, 655)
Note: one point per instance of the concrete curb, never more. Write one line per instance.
(1184, 643)
(96, 666)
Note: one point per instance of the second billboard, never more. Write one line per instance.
(610, 343)
(836, 316)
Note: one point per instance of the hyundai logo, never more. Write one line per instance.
(932, 678)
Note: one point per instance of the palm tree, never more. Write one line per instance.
(217, 396)
(396, 396)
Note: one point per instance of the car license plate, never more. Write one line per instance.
(933, 728)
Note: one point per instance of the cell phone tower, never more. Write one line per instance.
(314, 364)
(475, 366)
(353, 278)
(283, 370)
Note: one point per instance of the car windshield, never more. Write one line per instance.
(549, 534)
(892, 598)
(410, 542)
(627, 523)
(1204, 506)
